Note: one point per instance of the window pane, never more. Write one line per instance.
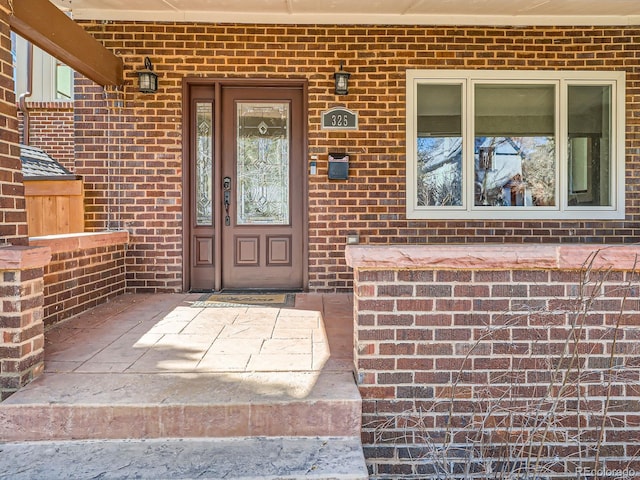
(64, 82)
(515, 157)
(589, 145)
(439, 145)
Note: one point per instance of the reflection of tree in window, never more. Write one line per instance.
(439, 178)
(539, 170)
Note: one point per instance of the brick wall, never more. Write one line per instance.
(134, 152)
(85, 271)
(480, 352)
(13, 216)
(51, 128)
(128, 152)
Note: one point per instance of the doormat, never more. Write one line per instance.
(220, 300)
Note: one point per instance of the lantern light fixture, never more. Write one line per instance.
(147, 79)
(341, 79)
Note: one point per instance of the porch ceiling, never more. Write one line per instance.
(406, 12)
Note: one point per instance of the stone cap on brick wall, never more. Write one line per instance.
(15, 257)
(69, 242)
(492, 257)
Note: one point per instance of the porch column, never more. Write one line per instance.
(21, 267)
(13, 214)
(21, 316)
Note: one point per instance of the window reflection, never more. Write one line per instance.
(589, 145)
(514, 150)
(439, 147)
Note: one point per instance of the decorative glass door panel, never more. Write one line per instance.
(204, 164)
(262, 167)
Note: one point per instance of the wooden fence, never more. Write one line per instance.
(54, 206)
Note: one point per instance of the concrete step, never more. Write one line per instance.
(68, 406)
(170, 391)
(229, 458)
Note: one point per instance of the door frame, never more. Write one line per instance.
(217, 84)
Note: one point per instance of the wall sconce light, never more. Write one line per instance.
(342, 81)
(147, 80)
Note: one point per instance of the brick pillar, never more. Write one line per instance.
(13, 214)
(21, 267)
(21, 316)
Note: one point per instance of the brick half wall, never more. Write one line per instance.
(86, 270)
(522, 357)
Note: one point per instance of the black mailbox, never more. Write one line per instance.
(338, 166)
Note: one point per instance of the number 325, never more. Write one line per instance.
(339, 120)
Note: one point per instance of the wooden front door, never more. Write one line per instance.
(248, 185)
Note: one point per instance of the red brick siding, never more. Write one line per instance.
(135, 151)
(51, 128)
(130, 160)
(452, 343)
(78, 280)
(13, 216)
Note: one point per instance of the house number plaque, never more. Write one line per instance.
(339, 118)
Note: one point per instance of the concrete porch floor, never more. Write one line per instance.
(175, 333)
(197, 371)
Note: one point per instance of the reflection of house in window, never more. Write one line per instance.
(514, 171)
(499, 164)
(516, 193)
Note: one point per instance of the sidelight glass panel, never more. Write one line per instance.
(590, 145)
(515, 148)
(204, 164)
(262, 163)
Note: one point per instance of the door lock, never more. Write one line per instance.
(226, 188)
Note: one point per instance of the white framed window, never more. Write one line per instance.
(515, 144)
(51, 80)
